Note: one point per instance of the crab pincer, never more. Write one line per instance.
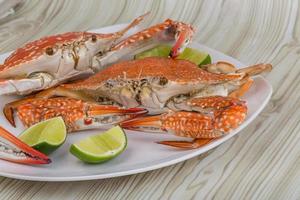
(14, 150)
(77, 114)
(212, 118)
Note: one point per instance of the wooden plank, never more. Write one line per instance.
(263, 162)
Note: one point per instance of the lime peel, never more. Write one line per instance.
(102, 147)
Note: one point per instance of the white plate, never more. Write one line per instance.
(142, 154)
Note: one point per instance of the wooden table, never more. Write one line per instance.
(262, 162)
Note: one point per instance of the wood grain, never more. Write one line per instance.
(262, 162)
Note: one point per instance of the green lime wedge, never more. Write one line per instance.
(45, 136)
(193, 55)
(158, 51)
(102, 147)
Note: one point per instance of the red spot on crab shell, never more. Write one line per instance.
(88, 121)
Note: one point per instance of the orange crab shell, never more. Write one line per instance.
(42, 109)
(180, 71)
(229, 112)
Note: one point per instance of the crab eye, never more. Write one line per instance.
(186, 41)
(94, 38)
(49, 51)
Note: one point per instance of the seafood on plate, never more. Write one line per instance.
(185, 99)
(53, 60)
(14, 150)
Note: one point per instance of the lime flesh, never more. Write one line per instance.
(190, 54)
(102, 147)
(45, 136)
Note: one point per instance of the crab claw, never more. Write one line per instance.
(167, 32)
(212, 118)
(154, 124)
(181, 123)
(185, 124)
(14, 150)
(184, 35)
(77, 114)
(101, 115)
(160, 123)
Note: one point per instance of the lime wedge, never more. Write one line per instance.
(158, 51)
(193, 55)
(45, 136)
(102, 147)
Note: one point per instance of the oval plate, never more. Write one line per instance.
(142, 154)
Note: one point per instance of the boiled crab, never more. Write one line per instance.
(198, 99)
(52, 60)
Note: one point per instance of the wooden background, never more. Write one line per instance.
(262, 162)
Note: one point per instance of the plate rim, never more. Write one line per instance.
(156, 166)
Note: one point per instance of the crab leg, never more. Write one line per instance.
(216, 117)
(255, 69)
(239, 92)
(77, 114)
(22, 86)
(134, 23)
(247, 81)
(14, 150)
(223, 67)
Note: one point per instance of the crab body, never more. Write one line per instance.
(155, 84)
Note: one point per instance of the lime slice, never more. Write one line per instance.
(45, 136)
(102, 147)
(193, 55)
(158, 51)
